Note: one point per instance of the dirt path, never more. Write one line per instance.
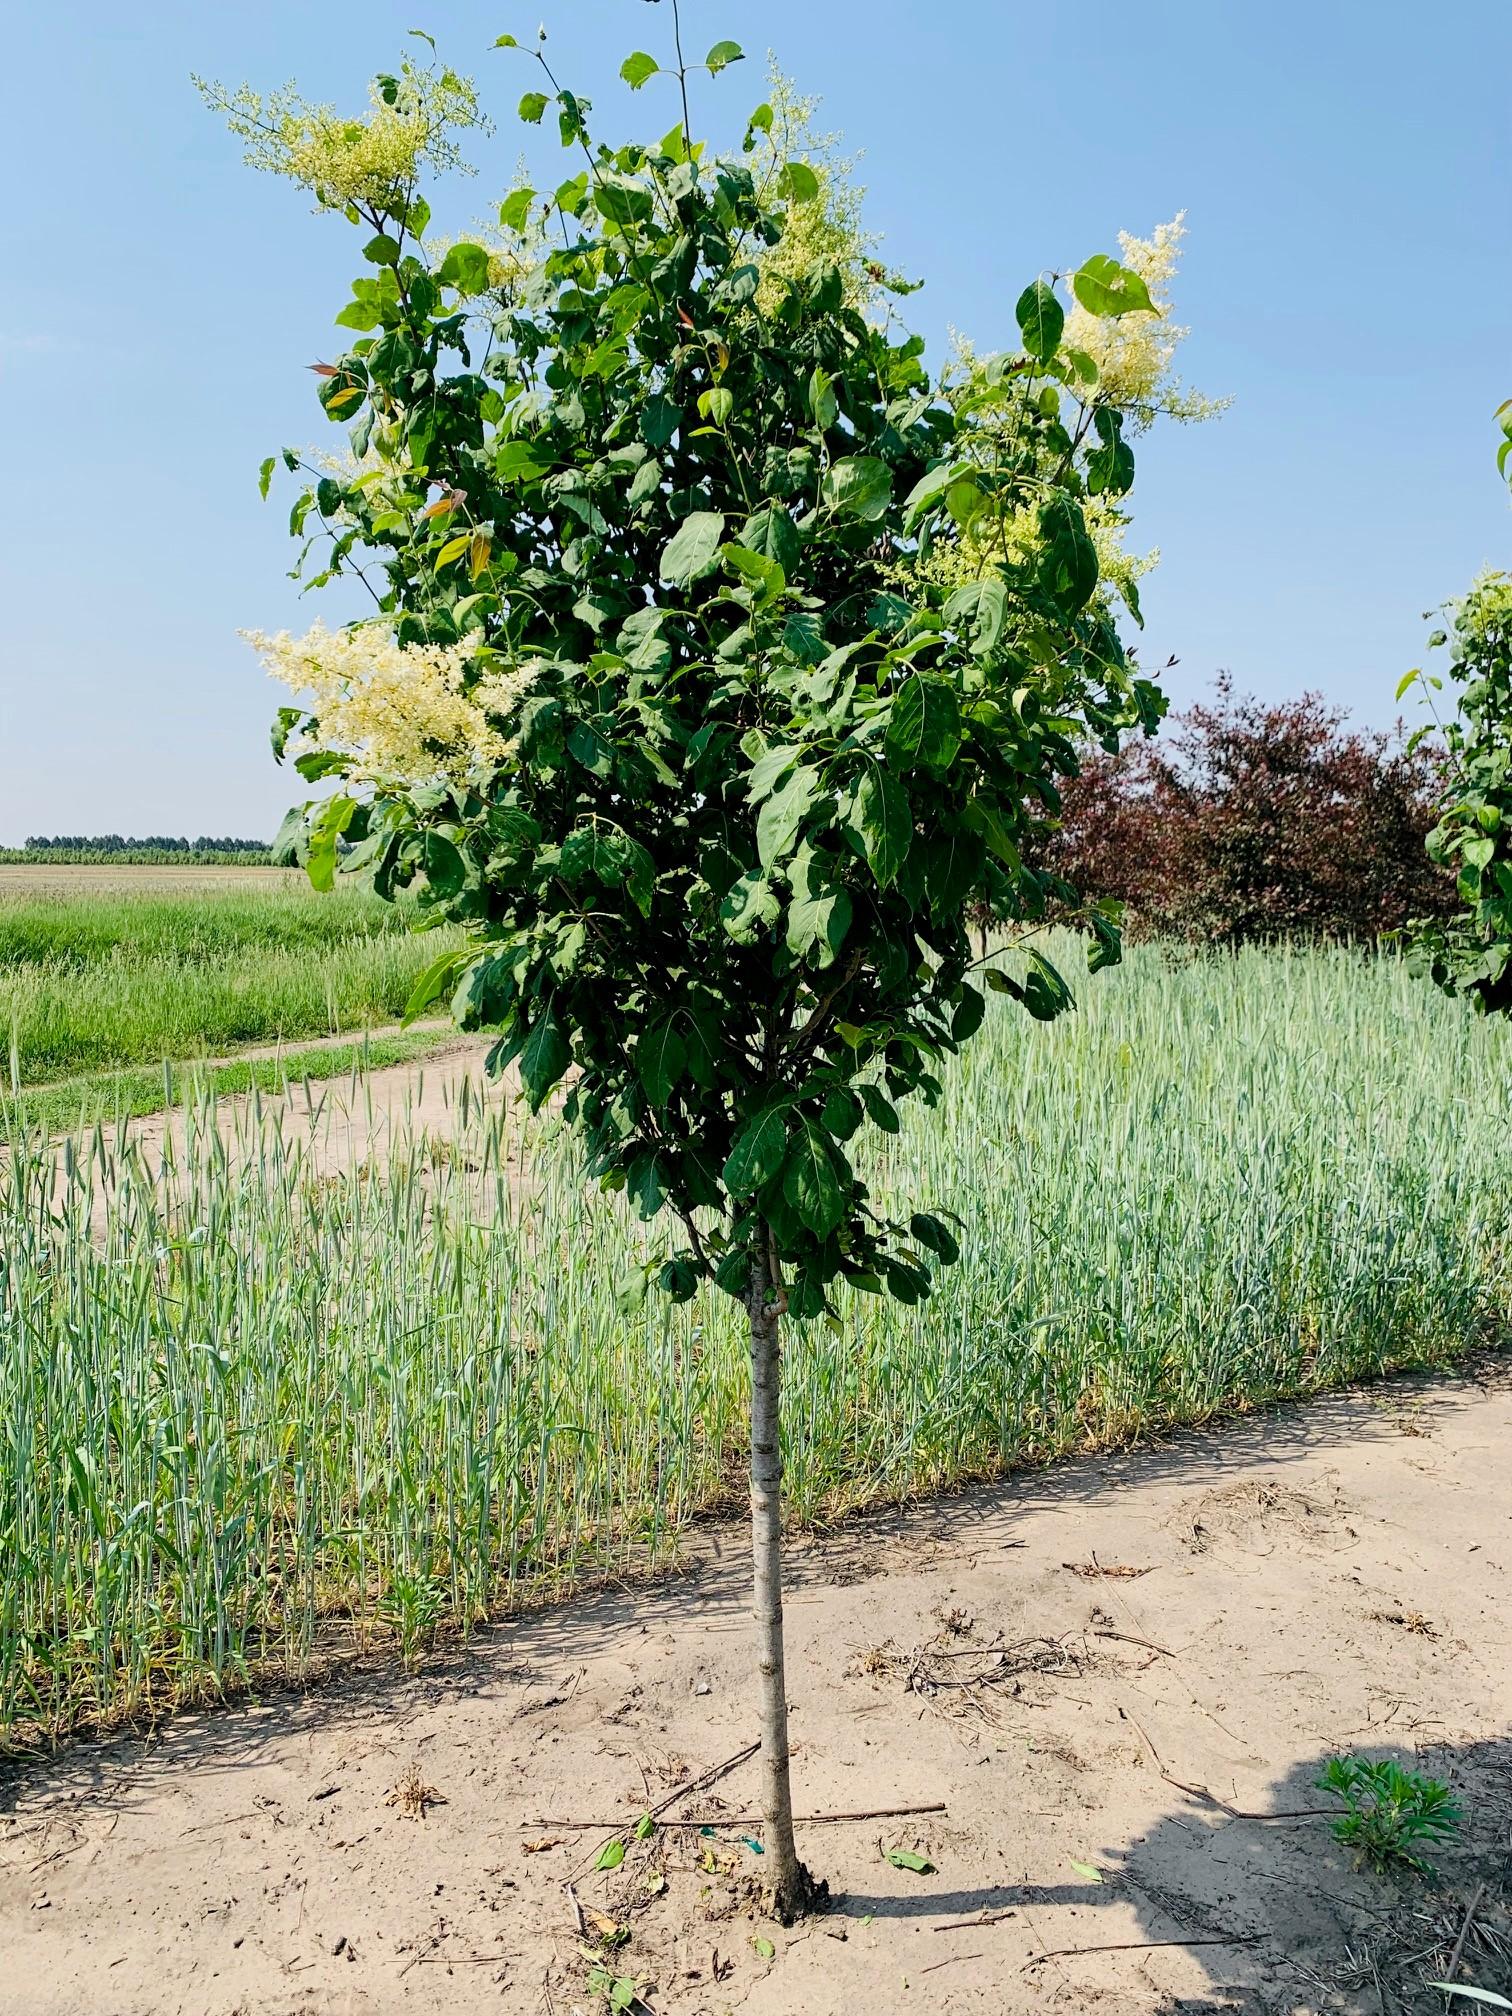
(293, 1049)
(1321, 1579)
(342, 1121)
(338, 1123)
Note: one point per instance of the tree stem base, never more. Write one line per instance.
(800, 1898)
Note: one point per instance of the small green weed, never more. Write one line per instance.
(619, 1991)
(1388, 1811)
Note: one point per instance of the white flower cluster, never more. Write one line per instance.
(372, 160)
(1134, 354)
(404, 713)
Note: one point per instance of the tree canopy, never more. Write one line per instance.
(730, 662)
(1470, 953)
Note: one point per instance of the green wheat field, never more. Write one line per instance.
(254, 1413)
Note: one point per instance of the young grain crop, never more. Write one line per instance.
(96, 978)
(268, 1415)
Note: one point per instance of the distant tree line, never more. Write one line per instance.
(153, 843)
(156, 850)
(1248, 821)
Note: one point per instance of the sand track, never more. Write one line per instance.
(249, 1861)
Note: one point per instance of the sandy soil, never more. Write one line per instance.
(338, 1124)
(346, 1121)
(1321, 1579)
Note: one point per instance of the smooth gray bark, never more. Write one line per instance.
(788, 1877)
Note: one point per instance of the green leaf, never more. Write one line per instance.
(610, 1855)
(803, 635)
(640, 876)
(798, 183)
(927, 491)
(780, 817)
(770, 768)
(824, 407)
(570, 117)
(1045, 994)
(924, 724)
(1089, 1870)
(544, 1057)
(756, 1154)
(637, 68)
(532, 105)
(679, 1278)
(1041, 320)
(722, 55)
(1110, 467)
(621, 200)
(659, 420)
(1069, 559)
(764, 577)
(645, 1827)
(980, 609)
(772, 533)
(382, 250)
(465, 267)
(571, 195)
(329, 824)
(749, 908)
(842, 1114)
(660, 1059)
(908, 1858)
(811, 1182)
(591, 750)
(937, 1237)
(819, 915)
(596, 851)
(881, 822)
(879, 1110)
(265, 475)
(644, 484)
(317, 763)
(515, 209)
(445, 869)
(693, 550)
(763, 1947)
(969, 1014)
(858, 486)
(432, 982)
(1105, 288)
(362, 313)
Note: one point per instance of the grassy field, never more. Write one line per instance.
(265, 1414)
(105, 975)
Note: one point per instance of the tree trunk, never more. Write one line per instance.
(792, 1887)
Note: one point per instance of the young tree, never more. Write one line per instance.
(1471, 952)
(667, 698)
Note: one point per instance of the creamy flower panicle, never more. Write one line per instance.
(409, 125)
(401, 712)
(1134, 354)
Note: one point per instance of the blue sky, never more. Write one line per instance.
(1344, 167)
